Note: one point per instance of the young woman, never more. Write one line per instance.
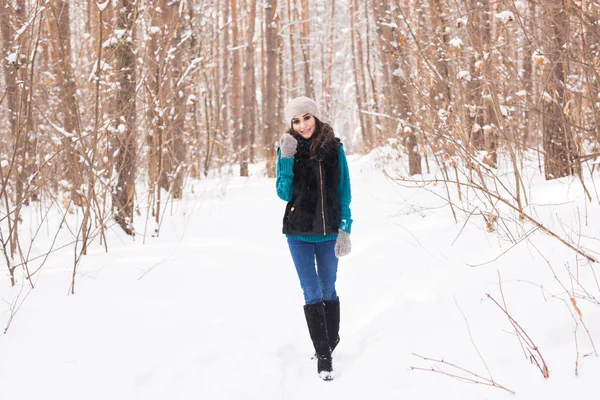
(312, 176)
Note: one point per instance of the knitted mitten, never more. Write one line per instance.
(342, 244)
(288, 145)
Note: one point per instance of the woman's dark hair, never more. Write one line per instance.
(322, 136)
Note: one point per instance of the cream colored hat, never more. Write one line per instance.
(301, 105)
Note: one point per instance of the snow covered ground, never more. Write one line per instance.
(212, 309)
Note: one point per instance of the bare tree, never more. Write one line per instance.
(559, 146)
(396, 94)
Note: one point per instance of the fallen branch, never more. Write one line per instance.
(522, 214)
(470, 378)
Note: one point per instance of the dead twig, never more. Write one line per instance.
(470, 377)
(535, 356)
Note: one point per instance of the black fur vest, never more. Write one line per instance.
(315, 207)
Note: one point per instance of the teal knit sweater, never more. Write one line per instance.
(285, 190)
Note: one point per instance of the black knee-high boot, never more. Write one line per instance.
(317, 328)
(332, 315)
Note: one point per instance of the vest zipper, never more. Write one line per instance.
(322, 201)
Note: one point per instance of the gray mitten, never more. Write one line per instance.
(342, 244)
(288, 145)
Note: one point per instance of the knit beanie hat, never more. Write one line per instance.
(301, 105)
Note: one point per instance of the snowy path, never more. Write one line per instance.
(213, 310)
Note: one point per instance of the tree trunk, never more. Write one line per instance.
(236, 86)
(590, 40)
(385, 39)
(475, 86)
(440, 93)
(327, 105)
(292, 32)
(359, 87)
(61, 45)
(10, 67)
(396, 103)
(226, 75)
(125, 120)
(154, 114)
(527, 50)
(559, 146)
(309, 89)
(249, 89)
(22, 89)
(178, 94)
(270, 94)
(374, 98)
(262, 70)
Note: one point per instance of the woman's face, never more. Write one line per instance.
(304, 125)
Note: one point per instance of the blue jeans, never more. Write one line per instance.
(317, 281)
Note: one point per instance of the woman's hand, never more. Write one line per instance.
(342, 244)
(287, 145)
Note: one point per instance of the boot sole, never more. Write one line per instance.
(327, 375)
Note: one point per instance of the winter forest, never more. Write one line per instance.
(100, 96)
(113, 113)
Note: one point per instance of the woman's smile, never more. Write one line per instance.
(304, 125)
